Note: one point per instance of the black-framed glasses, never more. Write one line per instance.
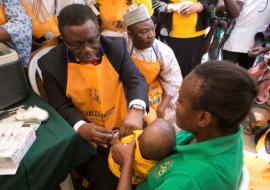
(80, 46)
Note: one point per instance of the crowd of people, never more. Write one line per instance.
(127, 76)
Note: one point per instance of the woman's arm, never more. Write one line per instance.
(123, 154)
(125, 177)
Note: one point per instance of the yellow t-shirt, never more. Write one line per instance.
(111, 13)
(185, 26)
(141, 166)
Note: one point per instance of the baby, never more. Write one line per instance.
(153, 143)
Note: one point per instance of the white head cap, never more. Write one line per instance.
(136, 13)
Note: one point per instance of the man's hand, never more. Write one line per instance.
(267, 58)
(133, 121)
(96, 134)
(264, 64)
(161, 112)
(255, 51)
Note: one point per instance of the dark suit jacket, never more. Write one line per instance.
(54, 73)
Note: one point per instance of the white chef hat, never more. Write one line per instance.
(136, 13)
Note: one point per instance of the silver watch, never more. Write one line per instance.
(137, 107)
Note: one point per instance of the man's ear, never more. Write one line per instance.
(205, 119)
(129, 33)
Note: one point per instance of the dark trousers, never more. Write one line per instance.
(241, 59)
(97, 171)
(188, 51)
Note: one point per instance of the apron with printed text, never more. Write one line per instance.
(150, 71)
(97, 93)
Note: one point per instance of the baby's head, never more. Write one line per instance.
(157, 140)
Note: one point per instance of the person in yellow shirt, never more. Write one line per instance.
(111, 12)
(153, 143)
(182, 25)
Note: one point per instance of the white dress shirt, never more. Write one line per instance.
(254, 17)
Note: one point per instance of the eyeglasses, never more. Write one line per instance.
(80, 46)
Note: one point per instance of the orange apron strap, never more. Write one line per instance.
(150, 71)
(155, 94)
(3, 19)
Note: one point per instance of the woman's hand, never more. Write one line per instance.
(161, 112)
(189, 7)
(123, 154)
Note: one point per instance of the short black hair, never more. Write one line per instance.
(226, 91)
(74, 15)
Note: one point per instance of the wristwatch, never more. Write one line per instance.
(137, 107)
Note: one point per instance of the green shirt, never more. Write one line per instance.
(209, 165)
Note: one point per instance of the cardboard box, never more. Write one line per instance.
(15, 141)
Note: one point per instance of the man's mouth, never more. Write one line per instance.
(88, 58)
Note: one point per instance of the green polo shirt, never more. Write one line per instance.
(209, 165)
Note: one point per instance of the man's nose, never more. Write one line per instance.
(151, 34)
(88, 48)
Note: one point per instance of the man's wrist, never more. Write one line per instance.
(78, 125)
(138, 111)
(138, 108)
(138, 105)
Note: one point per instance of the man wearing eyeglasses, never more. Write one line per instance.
(85, 77)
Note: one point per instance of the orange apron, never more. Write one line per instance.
(97, 93)
(3, 19)
(41, 28)
(150, 71)
(38, 29)
(111, 13)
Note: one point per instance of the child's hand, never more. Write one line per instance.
(123, 153)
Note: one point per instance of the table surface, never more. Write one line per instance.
(56, 151)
